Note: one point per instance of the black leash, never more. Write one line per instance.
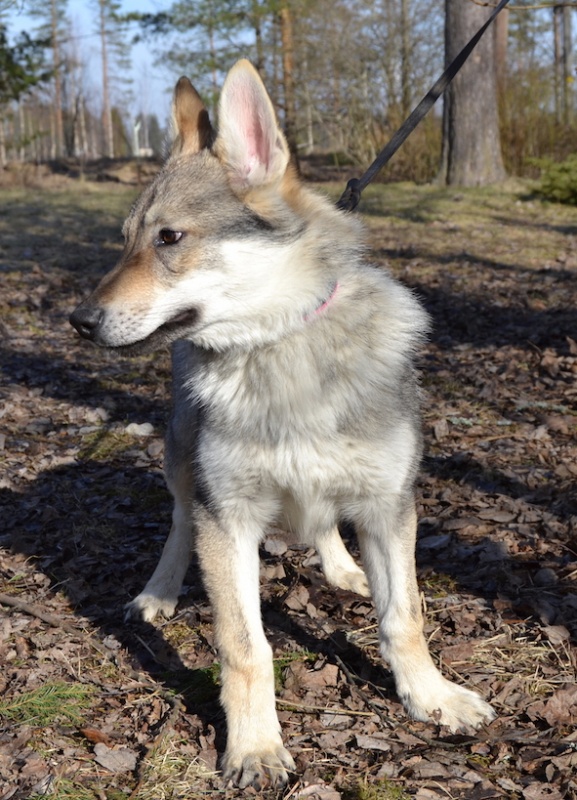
(352, 194)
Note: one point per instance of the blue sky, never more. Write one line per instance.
(152, 84)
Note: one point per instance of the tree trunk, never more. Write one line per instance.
(82, 137)
(57, 68)
(558, 60)
(287, 47)
(471, 141)
(567, 66)
(501, 34)
(405, 60)
(53, 143)
(2, 143)
(106, 109)
(21, 131)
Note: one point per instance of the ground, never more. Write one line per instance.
(92, 707)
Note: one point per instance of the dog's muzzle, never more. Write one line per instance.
(90, 322)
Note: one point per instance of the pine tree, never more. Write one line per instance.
(471, 138)
(53, 27)
(22, 67)
(111, 28)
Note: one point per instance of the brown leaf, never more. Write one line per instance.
(458, 653)
(298, 598)
(378, 741)
(460, 523)
(497, 515)
(95, 736)
(317, 791)
(335, 720)
(550, 363)
(556, 633)
(541, 791)
(440, 429)
(428, 770)
(560, 708)
(320, 678)
(334, 741)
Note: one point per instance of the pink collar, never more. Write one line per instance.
(325, 303)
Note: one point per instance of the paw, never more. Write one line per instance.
(147, 606)
(268, 767)
(451, 705)
(352, 580)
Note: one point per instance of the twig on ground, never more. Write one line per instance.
(34, 611)
(304, 708)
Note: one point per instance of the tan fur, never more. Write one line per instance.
(132, 281)
(191, 121)
(295, 404)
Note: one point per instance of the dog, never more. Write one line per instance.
(295, 402)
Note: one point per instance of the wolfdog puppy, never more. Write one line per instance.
(295, 402)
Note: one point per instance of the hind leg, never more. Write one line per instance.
(338, 566)
(160, 595)
(387, 540)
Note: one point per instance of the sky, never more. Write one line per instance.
(152, 84)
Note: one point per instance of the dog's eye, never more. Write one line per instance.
(168, 236)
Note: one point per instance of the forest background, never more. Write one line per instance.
(342, 75)
(93, 708)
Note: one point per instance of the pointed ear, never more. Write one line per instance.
(191, 125)
(250, 142)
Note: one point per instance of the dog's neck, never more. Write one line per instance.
(332, 290)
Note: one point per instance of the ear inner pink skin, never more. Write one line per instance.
(257, 144)
(252, 119)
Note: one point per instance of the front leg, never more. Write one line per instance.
(229, 560)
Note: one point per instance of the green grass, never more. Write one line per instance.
(380, 790)
(440, 585)
(64, 789)
(506, 225)
(49, 703)
(280, 664)
(103, 444)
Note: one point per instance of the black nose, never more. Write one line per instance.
(86, 320)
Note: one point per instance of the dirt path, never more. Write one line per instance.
(91, 708)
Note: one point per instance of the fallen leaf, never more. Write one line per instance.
(541, 791)
(560, 708)
(95, 736)
(317, 791)
(378, 741)
(122, 760)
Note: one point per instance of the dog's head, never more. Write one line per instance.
(208, 243)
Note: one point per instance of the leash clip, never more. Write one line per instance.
(350, 198)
